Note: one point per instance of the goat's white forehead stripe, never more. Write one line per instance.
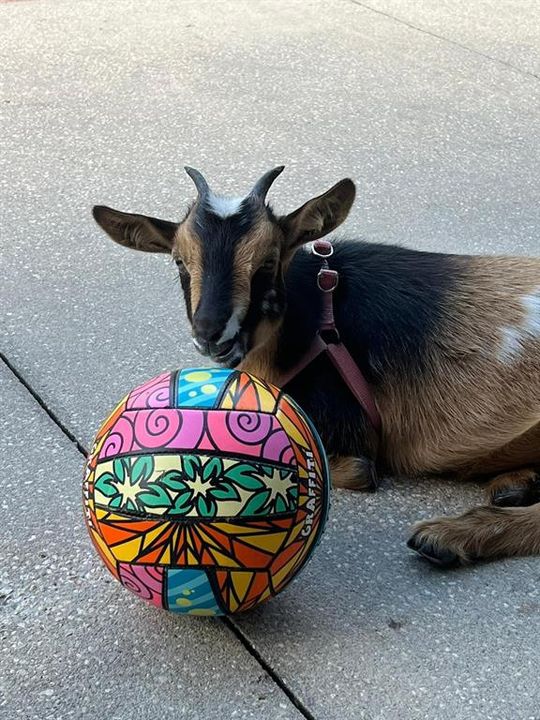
(224, 206)
(514, 337)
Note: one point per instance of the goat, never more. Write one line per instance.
(449, 343)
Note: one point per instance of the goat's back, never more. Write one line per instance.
(479, 387)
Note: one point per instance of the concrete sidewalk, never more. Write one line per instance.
(433, 108)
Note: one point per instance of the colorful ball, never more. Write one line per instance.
(206, 491)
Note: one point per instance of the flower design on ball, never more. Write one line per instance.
(125, 484)
(196, 485)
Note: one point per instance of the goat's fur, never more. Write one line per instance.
(449, 343)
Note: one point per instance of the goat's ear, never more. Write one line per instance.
(319, 216)
(138, 232)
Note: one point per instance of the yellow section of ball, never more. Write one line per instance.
(198, 376)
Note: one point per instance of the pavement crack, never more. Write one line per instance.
(448, 40)
(252, 650)
(41, 402)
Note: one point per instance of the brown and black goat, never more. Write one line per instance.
(449, 343)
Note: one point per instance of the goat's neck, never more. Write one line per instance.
(286, 343)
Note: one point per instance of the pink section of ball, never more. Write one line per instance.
(250, 428)
(155, 393)
(145, 581)
(119, 440)
(244, 433)
(157, 428)
(278, 447)
(230, 432)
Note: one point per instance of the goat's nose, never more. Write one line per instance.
(207, 328)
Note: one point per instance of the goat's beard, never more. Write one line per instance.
(237, 353)
(248, 341)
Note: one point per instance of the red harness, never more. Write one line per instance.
(327, 281)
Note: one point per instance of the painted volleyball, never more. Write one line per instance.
(206, 491)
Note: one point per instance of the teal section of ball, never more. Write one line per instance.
(189, 592)
(200, 387)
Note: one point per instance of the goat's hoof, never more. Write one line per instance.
(440, 556)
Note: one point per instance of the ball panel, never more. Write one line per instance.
(191, 592)
(313, 494)
(187, 486)
(320, 467)
(246, 392)
(200, 388)
(104, 431)
(229, 432)
(155, 393)
(202, 544)
(240, 590)
(104, 552)
(195, 591)
(146, 581)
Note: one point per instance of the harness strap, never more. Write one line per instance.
(317, 347)
(355, 381)
(327, 341)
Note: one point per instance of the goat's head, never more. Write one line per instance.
(232, 254)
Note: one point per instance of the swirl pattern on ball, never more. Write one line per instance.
(157, 428)
(152, 394)
(253, 434)
(248, 427)
(119, 440)
(143, 580)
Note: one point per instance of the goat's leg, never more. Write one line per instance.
(515, 489)
(354, 473)
(482, 533)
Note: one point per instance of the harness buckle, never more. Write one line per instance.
(327, 280)
(322, 248)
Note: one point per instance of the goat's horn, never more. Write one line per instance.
(200, 183)
(262, 186)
